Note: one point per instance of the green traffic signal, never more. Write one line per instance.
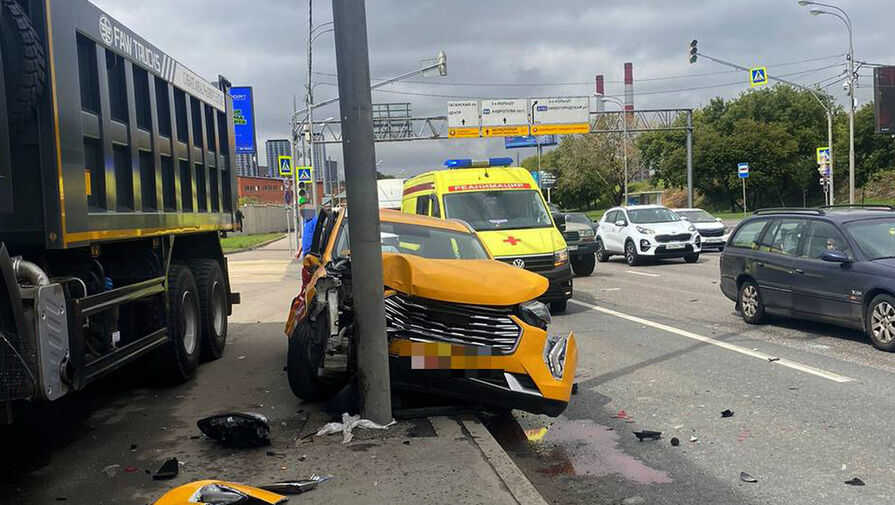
(693, 51)
(302, 200)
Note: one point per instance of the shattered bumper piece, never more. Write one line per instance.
(219, 492)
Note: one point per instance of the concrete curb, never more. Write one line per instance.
(256, 246)
(520, 487)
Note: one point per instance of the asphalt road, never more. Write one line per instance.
(812, 403)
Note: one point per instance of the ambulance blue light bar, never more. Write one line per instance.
(468, 163)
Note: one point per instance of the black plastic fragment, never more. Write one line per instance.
(648, 435)
(727, 413)
(236, 429)
(855, 482)
(169, 469)
(291, 487)
(745, 477)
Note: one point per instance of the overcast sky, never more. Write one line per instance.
(513, 49)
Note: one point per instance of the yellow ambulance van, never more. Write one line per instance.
(506, 208)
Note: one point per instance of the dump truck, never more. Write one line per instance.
(117, 181)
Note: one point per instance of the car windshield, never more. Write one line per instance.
(875, 237)
(654, 215)
(697, 216)
(498, 210)
(433, 243)
(578, 218)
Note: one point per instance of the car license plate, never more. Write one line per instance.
(674, 246)
(573, 247)
(711, 240)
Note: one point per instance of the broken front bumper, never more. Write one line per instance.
(535, 376)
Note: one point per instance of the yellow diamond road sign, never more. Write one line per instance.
(285, 164)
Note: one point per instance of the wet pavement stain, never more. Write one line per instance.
(582, 447)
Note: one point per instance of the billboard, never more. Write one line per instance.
(243, 118)
(529, 141)
(884, 99)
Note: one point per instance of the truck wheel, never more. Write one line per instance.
(584, 265)
(176, 361)
(301, 368)
(213, 307)
(24, 64)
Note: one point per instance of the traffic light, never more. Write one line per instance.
(302, 193)
(693, 51)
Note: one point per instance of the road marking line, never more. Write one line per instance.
(642, 273)
(610, 289)
(725, 345)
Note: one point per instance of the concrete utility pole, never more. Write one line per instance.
(358, 151)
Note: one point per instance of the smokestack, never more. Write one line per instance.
(629, 87)
(599, 92)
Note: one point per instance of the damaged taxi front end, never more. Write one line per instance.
(460, 324)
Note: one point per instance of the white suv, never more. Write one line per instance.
(646, 231)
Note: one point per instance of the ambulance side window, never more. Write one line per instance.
(423, 204)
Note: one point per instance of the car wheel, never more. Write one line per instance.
(583, 266)
(301, 366)
(691, 258)
(881, 322)
(558, 306)
(750, 303)
(176, 361)
(213, 305)
(631, 256)
(602, 255)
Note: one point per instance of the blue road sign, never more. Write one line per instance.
(285, 165)
(304, 174)
(758, 76)
(743, 170)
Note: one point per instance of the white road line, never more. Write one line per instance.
(642, 273)
(731, 347)
(610, 289)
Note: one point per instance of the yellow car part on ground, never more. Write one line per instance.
(187, 494)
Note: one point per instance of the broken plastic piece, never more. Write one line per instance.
(694, 438)
(855, 482)
(169, 469)
(648, 435)
(773, 358)
(727, 413)
(574, 388)
(218, 492)
(745, 477)
(111, 470)
(236, 429)
(349, 423)
(675, 441)
(296, 486)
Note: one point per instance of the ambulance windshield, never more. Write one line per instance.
(498, 210)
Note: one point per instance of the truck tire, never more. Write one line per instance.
(584, 265)
(175, 362)
(212, 307)
(301, 369)
(24, 64)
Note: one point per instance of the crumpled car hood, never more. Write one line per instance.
(474, 282)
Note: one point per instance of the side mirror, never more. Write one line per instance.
(718, 219)
(560, 221)
(621, 223)
(835, 256)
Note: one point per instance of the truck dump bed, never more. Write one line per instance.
(124, 141)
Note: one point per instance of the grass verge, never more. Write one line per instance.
(237, 242)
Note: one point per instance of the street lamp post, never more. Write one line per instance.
(624, 139)
(851, 88)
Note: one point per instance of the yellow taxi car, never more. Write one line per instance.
(459, 324)
(507, 210)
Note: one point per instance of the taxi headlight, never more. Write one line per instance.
(555, 355)
(560, 257)
(535, 314)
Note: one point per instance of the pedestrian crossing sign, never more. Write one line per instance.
(285, 163)
(304, 174)
(823, 155)
(758, 76)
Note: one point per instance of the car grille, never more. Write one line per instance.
(572, 236)
(424, 320)
(679, 237)
(712, 233)
(541, 263)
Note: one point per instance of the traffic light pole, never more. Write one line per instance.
(359, 153)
